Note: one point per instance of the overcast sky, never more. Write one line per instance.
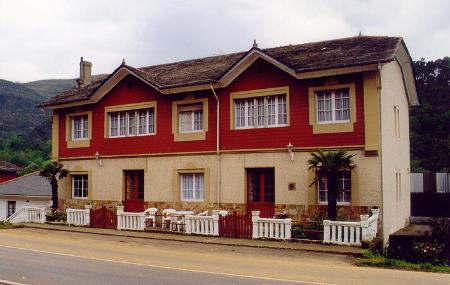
(45, 39)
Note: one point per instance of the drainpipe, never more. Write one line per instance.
(217, 143)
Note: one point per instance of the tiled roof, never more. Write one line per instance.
(28, 185)
(8, 166)
(337, 53)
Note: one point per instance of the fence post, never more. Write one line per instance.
(43, 216)
(119, 216)
(87, 217)
(255, 218)
(326, 231)
(364, 227)
(141, 221)
(187, 226)
(215, 224)
(287, 228)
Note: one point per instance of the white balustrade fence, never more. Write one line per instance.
(34, 215)
(202, 225)
(130, 220)
(28, 214)
(351, 233)
(270, 228)
(78, 217)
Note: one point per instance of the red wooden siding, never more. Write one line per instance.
(260, 75)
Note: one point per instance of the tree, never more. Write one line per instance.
(328, 165)
(430, 122)
(54, 171)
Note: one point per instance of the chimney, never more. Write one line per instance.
(85, 73)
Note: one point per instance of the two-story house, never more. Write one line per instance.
(235, 131)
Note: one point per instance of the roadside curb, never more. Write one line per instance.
(213, 240)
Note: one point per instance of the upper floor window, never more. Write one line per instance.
(260, 112)
(190, 118)
(132, 123)
(333, 106)
(80, 127)
(344, 186)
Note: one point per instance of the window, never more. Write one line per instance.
(11, 208)
(397, 121)
(80, 127)
(260, 112)
(190, 118)
(344, 182)
(192, 186)
(333, 106)
(132, 123)
(80, 186)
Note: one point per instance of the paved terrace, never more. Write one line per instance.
(301, 246)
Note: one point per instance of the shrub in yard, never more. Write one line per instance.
(57, 216)
(418, 250)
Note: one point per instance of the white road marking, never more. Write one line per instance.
(6, 282)
(162, 267)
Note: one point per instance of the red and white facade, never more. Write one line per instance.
(242, 144)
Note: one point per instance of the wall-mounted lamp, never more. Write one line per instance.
(290, 148)
(97, 158)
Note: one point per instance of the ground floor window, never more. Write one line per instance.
(192, 186)
(345, 191)
(11, 208)
(80, 186)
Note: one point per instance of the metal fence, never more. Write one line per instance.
(430, 182)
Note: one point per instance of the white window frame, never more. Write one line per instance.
(73, 177)
(83, 129)
(195, 177)
(333, 106)
(149, 122)
(339, 203)
(257, 114)
(190, 110)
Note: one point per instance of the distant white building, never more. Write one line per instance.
(14, 194)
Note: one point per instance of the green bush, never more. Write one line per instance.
(57, 216)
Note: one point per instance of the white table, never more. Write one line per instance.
(184, 213)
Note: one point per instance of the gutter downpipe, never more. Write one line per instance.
(217, 143)
(379, 87)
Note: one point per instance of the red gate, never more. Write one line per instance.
(103, 218)
(235, 226)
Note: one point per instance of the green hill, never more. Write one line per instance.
(50, 87)
(17, 108)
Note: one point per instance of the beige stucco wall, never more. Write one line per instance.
(394, 150)
(161, 177)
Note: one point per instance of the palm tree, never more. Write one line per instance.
(54, 171)
(328, 165)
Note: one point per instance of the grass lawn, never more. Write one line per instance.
(370, 259)
(10, 226)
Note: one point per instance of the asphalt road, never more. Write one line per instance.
(31, 256)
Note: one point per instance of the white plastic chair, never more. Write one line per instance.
(150, 214)
(205, 213)
(166, 216)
